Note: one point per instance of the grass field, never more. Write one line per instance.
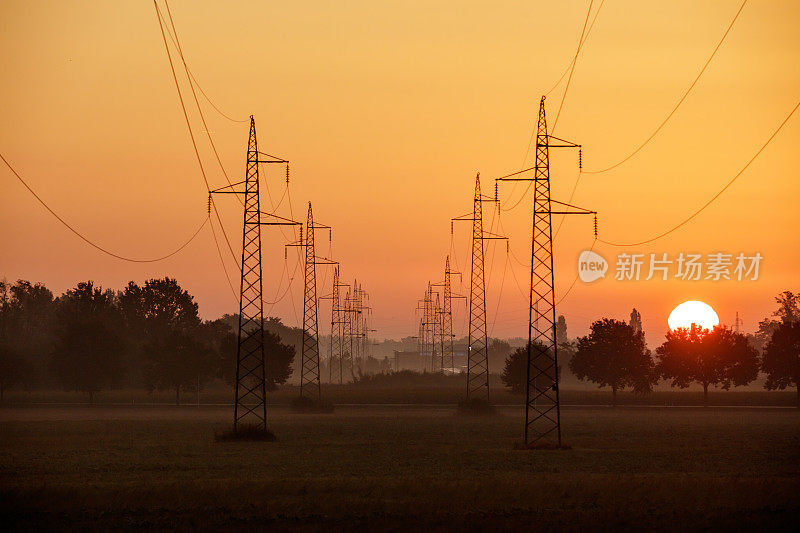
(394, 468)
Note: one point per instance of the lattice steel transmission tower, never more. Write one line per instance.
(446, 313)
(421, 337)
(309, 369)
(477, 340)
(338, 324)
(250, 389)
(542, 408)
(350, 313)
(437, 352)
(360, 330)
(426, 340)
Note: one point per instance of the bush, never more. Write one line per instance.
(304, 404)
(251, 432)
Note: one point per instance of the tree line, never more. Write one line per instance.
(91, 339)
(614, 354)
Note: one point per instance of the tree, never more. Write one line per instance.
(86, 354)
(515, 372)
(561, 331)
(636, 321)
(10, 362)
(164, 316)
(788, 311)
(614, 354)
(26, 333)
(279, 357)
(499, 350)
(781, 360)
(720, 357)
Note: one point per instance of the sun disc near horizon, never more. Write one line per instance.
(693, 312)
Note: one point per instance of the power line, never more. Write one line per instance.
(193, 80)
(574, 281)
(176, 41)
(584, 36)
(180, 97)
(571, 196)
(572, 61)
(572, 69)
(189, 127)
(680, 101)
(713, 198)
(222, 261)
(86, 239)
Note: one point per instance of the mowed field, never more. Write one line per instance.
(399, 467)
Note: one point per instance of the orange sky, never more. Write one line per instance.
(387, 110)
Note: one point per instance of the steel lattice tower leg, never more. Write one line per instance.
(250, 395)
(477, 342)
(309, 373)
(542, 410)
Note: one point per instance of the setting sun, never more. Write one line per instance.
(693, 312)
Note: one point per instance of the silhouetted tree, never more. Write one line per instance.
(561, 331)
(614, 355)
(636, 321)
(165, 317)
(498, 351)
(720, 357)
(514, 374)
(27, 342)
(10, 362)
(788, 311)
(781, 360)
(279, 357)
(86, 355)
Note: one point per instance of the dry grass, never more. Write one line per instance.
(398, 468)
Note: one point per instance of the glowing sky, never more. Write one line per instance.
(387, 110)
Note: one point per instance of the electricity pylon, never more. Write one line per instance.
(421, 337)
(250, 390)
(338, 323)
(350, 319)
(448, 348)
(359, 317)
(427, 327)
(437, 364)
(542, 408)
(309, 369)
(477, 340)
